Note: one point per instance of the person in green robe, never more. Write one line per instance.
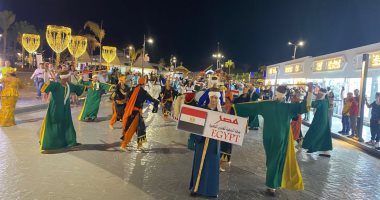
(57, 130)
(318, 137)
(94, 94)
(281, 163)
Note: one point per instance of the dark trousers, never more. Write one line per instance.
(375, 130)
(345, 124)
(120, 110)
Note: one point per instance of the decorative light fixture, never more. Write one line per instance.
(30, 42)
(109, 54)
(58, 38)
(77, 47)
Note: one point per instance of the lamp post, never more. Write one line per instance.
(300, 44)
(150, 41)
(219, 56)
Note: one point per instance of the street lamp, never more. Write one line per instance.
(173, 60)
(219, 56)
(300, 44)
(150, 41)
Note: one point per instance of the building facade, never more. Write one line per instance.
(335, 70)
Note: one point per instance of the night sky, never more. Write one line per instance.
(251, 32)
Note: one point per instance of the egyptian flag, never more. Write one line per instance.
(192, 119)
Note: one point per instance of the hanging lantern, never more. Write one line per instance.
(109, 54)
(30, 42)
(77, 47)
(58, 38)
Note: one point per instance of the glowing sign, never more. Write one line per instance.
(334, 64)
(272, 70)
(331, 64)
(374, 59)
(289, 69)
(294, 68)
(318, 66)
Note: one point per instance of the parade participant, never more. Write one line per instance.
(282, 166)
(168, 94)
(7, 68)
(205, 171)
(225, 147)
(57, 130)
(91, 104)
(38, 77)
(9, 96)
(318, 137)
(297, 119)
(120, 97)
(204, 100)
(132, 118)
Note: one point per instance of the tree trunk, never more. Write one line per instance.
(5, 34)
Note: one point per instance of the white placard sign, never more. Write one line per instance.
(212, 124)
(225, 127)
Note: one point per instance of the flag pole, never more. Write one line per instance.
(202, 162)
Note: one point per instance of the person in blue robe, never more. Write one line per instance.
(209, 178)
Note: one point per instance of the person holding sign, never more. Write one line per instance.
(205, 173)
(282, 166)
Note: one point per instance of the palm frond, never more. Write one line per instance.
(95, 28)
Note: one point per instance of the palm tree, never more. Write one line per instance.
(92, 44)
(15, 35)
(99, 34)
(16, 31)
(229, 64)
(133, 54)
(7, 18)
(262, 70)
(42, 34)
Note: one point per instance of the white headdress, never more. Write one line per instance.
(217, 94)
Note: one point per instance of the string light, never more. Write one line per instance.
(77, 47)
(30, 42)
(58, 38)
(109, 54)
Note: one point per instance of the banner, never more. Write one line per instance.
(214, 125)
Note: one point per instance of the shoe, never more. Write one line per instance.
(341, 132)
(255, 128)
(371, 142)
(325, 155)
(221, 169)
(360, 140)
(351, 136)
(193, 194)
(111, 127)
(123, 149)
(271, 192)
(377, 145)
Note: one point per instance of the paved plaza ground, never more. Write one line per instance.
(98, 170)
